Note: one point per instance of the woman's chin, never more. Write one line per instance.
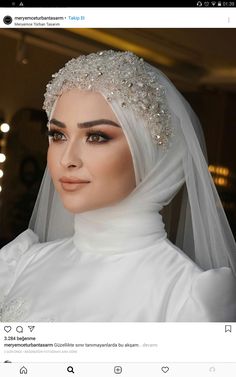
(74, 210)
(81, 209)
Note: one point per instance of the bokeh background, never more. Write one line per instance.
(200, 62)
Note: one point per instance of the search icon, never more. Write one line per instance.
(70, 370)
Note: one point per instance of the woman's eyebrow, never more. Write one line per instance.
(86, 124)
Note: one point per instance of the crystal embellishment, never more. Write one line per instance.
(122, 76)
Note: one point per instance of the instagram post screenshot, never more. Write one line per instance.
(118, 190)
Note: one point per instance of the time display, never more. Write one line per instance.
(228, 3)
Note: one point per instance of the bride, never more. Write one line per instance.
(123, 143)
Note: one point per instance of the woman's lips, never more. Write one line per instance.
(72, 186)
(69, 184)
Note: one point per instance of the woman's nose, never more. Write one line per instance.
(70, 157)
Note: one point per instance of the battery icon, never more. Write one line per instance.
(219, 3)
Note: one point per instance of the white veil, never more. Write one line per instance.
(201, 228)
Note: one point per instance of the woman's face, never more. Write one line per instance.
(87, 143)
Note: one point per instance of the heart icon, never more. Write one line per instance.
(7, 328)
(165, 369)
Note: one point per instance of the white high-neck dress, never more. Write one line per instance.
(105, 274)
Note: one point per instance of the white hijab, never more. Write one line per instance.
(202, 230)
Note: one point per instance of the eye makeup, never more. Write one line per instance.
(56, 136)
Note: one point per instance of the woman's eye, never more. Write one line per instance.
(97, 138)
(55, 135)
(91, 137)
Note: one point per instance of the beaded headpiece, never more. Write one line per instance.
(122, 76)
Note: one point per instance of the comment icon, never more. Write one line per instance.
(19, 329)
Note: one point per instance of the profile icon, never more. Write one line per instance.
(7, 20)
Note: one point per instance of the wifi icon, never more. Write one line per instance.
(31, 328)
(213, 3)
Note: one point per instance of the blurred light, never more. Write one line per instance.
(219, 181)
(4, 127)
(0, 188)
(220, 175)
(1, 173)
(211, 168)
(3, 142)
(219, 170)
(2, 157)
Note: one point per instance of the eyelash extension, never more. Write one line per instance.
(51, 133)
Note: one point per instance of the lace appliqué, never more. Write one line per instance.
(13, 311)
(17, 310)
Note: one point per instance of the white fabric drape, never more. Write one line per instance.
(203, 231)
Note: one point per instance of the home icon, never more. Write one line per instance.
(23, 370)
